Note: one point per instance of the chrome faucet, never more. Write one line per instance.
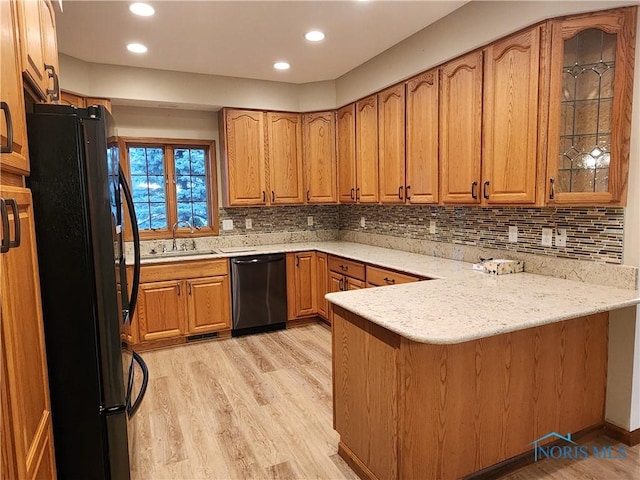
(173, 231)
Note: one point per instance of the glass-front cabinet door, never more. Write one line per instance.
(591, 89)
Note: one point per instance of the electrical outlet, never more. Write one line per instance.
(363, 223)
(432, 227)
(310, 221)
(248, 223)
(227, 225)
(547, 237)
(561, 237)
(513, 233)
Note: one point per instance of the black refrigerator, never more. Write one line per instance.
(78, 191)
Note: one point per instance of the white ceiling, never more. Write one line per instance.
(244, 38)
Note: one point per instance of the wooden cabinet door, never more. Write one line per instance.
(354, 284)
(510, 119)
(209, 304)
(422, 138)
(67, 98)
(244, 156)
(319, 157)
(105, 102)
(346, 150)
(12, 118)
(323, 284)
(391, 131)
(50, 50)
(161, 310)
(32, 45)
(461, 129)
(24, 348)
(302, 276)
(367, 150)
(590, 98)
(336, 282)
(285, 158)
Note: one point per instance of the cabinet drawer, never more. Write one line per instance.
(377, 277)
(347, 267)
(182, 270)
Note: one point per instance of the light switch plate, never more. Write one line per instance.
(513, 233)
(248, 223)
(227, 225)
(432, 227)
(310, 220)
(363, 223)
(561, 237)
(547, 237)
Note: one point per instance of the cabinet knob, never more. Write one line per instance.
(389, 280)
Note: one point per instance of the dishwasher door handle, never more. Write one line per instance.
(254, 261)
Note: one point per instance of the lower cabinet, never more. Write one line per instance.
(178, 300)
(302, 289)
(323, 284)
(345, 274)
(379, 277)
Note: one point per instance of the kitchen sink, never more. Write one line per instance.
(178, 253)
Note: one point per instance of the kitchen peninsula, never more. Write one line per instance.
(444, 378)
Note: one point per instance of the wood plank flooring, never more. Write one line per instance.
(260, 407)
(256, 407)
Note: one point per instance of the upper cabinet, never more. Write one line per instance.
(285, 157)
(591, 88)
(461, 129)
(244, 180)
(319, 157)
(39, 49)
(510, 119)
(346, 151)
(422, 138)
(391, 151)
(13, 128)
(367, 150)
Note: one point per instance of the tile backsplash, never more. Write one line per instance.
(279, 219)
(593, 233)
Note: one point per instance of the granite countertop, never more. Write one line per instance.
(458, 304)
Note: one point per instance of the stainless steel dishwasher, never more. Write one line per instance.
(258, 293)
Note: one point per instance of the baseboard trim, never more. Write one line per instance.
(354, 462)
(526, 458)
(629, 438)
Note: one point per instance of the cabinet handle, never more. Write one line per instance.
(297, 261)
(474, 193)
(54, 93)
(344, 268)
(264, 196)
(4, 245)
(189, 287)
(179, 289)
(341, 284)
(308, 195)
(389, 280)
(16, 223)
(484, 190)
(400, 192)
(552, 193)
(352, 194)
(8, 148)
(273, 196)
(406, 192)
(358, 193)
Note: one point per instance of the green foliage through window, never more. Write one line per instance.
(146, 166)
(191, 185)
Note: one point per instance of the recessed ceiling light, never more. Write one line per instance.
(281, 66)
(137, 48)
(142, 9)
(314, 36)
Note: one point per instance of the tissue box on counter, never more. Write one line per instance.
(502, 267)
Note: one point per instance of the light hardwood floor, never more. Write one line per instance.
(259, 407)
(255, 407)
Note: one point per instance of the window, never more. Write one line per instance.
(172, 181)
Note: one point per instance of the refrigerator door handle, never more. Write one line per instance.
(132, 407)
(136, 243)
